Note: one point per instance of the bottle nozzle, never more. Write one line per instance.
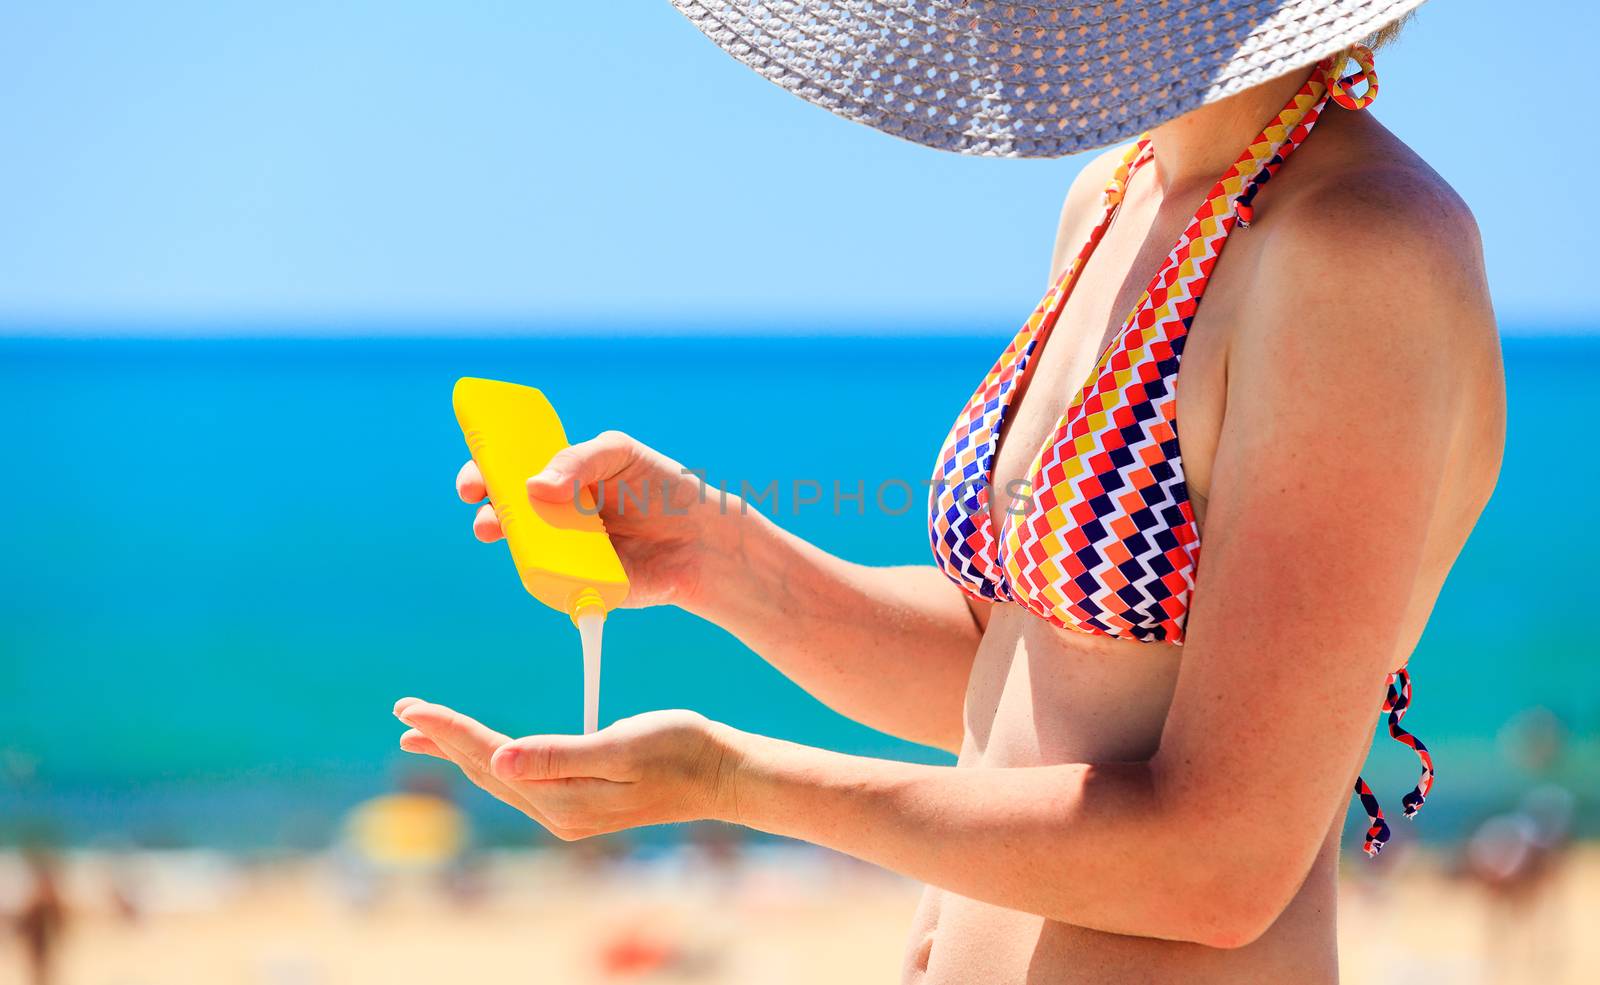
(587, 602)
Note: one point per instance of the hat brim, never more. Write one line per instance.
(1045, 78)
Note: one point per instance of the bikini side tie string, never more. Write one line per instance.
(1377, 827)
(1395, 704)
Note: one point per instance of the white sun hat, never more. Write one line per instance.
(1043, 78)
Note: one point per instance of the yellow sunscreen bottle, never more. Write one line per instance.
(562, 552)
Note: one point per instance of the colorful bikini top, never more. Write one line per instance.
(1102, 539)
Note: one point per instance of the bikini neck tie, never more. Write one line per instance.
(1328, 84)
(1339, 87)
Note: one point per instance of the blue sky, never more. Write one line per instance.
(204, 167)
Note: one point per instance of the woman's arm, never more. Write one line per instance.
(889, 647)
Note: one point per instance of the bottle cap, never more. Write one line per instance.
(586, 601)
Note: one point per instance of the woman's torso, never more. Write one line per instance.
(1039, 694)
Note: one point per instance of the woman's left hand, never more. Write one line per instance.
(655, 768)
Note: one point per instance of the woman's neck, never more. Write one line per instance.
(1197, 146)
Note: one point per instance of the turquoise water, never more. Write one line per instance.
(222, 562)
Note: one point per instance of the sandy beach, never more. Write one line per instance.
(769, 917)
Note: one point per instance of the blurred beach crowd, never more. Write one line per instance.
(403, 891)
(710, 911)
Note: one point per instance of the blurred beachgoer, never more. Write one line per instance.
(651, 948)
(717, 853)
(1155, 753)
(1520, 857)
(417, 831)
(42, 919)
(637, 951)
(1535, 739)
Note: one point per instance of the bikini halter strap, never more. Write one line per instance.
(1266, 154)
(1231, 199)
(1326, 83)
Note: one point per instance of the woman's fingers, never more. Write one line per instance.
(486, 525)
(469, 483)
(466, 739)
(413, 741)
(584, 464)
(470, 487)
(464, 755)
(482, 781)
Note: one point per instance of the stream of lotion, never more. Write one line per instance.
(589, 626)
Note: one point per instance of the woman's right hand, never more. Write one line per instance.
(665, 541)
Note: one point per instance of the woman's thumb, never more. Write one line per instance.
(583, 465)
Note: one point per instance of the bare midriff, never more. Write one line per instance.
(1042, 695)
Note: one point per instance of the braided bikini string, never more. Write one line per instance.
(1243, 206)
(1396, 703)
(1327, 84)
(1049, 310)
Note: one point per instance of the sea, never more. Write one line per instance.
(223, 559)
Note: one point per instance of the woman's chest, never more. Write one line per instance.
(1079, 353)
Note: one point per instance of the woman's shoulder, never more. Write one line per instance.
(1376, 196)
(1367, 238)
(1370, 271)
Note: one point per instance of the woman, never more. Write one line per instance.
(1155, 755)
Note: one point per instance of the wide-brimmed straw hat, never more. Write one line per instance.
(1029, 78)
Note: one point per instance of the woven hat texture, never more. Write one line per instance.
(1042, 78)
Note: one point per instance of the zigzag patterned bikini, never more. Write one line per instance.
(1107, 543)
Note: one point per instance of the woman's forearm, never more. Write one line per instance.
(889, 647)
(1094, 846)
